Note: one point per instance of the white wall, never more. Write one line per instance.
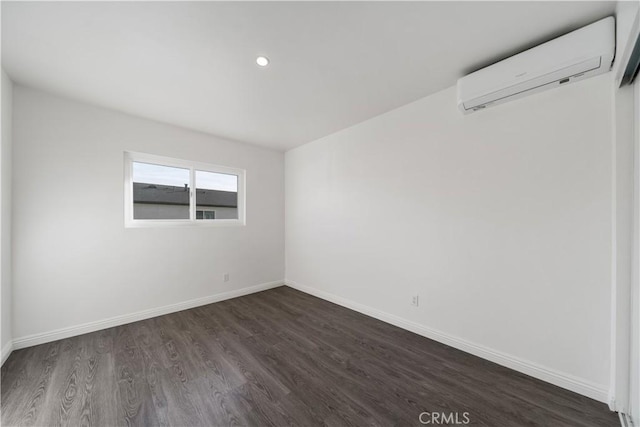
(623, 208)
(74, 262)
(634, 384)
(501, 221)
(5, 218)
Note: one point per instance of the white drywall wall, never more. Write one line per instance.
(5, 215)
(501, 221)
(622, 284)
(634, 384)
(76, 263)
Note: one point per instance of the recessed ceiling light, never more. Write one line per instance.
(262, 61)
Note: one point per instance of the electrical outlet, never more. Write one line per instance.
(226, 277)
(415, 300)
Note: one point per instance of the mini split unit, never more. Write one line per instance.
(578, 55)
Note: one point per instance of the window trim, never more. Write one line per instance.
(129, 222)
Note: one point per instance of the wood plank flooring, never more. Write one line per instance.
(274, 358)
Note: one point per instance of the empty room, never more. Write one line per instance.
(320, 213)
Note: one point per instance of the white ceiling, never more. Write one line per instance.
(333, 64)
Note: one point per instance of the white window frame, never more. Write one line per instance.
(129, 222)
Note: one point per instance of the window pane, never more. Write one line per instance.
(217, 192)
(160, 192)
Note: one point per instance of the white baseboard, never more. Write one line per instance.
(58, 334)
(552, 376)
(5, 352)
(625, 420)
(560, 379)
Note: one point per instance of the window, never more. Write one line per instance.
(219, 191)
(159, 191)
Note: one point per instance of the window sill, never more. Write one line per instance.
(141, 223)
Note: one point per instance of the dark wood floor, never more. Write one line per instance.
(278, 357)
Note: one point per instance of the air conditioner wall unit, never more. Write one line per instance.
(578, 55)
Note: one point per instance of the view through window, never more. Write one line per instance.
(219, 192)
(163, 192)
